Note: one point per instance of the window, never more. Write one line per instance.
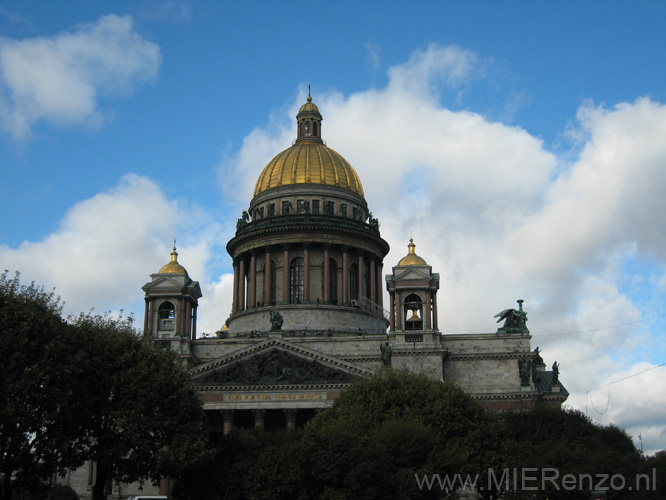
(166, 310)
(296, 281)
(300, 206)
(353, 282)
(315, 206)
(329, 207)
(314, 128)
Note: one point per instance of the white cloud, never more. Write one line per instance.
(104, 248)
(60, 79)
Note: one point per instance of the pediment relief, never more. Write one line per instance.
(276, 362)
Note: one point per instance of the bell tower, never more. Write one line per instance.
(413, 299)
(172, 299)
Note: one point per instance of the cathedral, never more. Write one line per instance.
(308, 318)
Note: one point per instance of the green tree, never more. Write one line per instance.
(41, 419)
(570, 443)
(386, 429)
(145, 420)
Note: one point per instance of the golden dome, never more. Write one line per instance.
(309, 107)
(173, 267)
(308, 163)
(411, 259)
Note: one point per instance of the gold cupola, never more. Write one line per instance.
(173, 267)
(309, 160)
(411, 259)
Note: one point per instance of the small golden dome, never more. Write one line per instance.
(308, 163)
(411, 259)
(309, 107)
(173, 267)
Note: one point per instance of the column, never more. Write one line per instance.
(434, 312)
(345, 275)
(178, 330)
(228, 421)
(241, 284)
(392, 313)
(380, 282)
(145, 316)
(234, 305)
(361, 281)
(268, 276)
(327, 274)
(252, 281)
(290, 416)
(398, 308)
(373, 281)
(306, 273)
(188, 319)
(285, 273)
(194, 321)
(428, 310)
(259, 416)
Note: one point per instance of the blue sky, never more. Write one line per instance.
(520, 143)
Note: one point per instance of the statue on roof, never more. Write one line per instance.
(387, 353)
(556, 373)
(515, 320)
(276, 320)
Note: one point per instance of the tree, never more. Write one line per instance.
(386, 429)
(40, 408)
(568, 442)
(88, 388)
(144, 418)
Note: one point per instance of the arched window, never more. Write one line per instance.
(314, 129)
(296, 281)
(166, 310)
(413, 312)
(353, 282)
(300, 129)
(307, 128)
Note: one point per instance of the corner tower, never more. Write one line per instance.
(172, 299)
(413, 294)
(308, 246)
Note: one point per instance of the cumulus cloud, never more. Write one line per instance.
(60, 79)
(104, 248)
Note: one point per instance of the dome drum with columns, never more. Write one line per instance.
(308, 245)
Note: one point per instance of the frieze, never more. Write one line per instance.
(273, 367)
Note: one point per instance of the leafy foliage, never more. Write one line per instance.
(40, 419)
(145, 419)
(89, 388)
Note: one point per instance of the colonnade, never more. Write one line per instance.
(246, 272)
(259, 416)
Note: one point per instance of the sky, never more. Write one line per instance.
(521, 144)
